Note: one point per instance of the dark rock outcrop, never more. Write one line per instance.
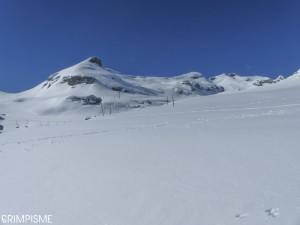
(117, 89)
(51, 80)
(86, 100)
(74, 80)
(95, 60)
(262, 82)
(279, 78)
(201, 89)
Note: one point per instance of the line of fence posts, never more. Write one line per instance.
(173, 101)
(26, 125)
(103, 109)
(118, 106)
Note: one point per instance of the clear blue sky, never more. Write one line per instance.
(147, 37)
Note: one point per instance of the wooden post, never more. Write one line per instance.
(102, 110)
(1, 126)
(173, 100)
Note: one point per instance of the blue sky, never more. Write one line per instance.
(162, 38)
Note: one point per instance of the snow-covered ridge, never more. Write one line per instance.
(295, 75)
(234, 82)
(89, 72)
(104, 81)
(118, 91)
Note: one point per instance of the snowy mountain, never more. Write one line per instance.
(81, 88)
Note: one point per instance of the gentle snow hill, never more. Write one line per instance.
(290, 82)
(230, 159)
(2, 93)
(295, 75)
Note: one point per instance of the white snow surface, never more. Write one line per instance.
(230, 158)
(223, 159)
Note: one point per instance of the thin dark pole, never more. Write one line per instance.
(173, 100)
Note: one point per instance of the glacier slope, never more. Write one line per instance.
(220, 159)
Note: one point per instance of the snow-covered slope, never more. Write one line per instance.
(295, 75)
(80, 89)
(234, 82)
(87, 76)
(231, 158)
(2, 93)
(90, 76)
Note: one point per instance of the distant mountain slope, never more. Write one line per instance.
(79, 88)
(83, 87)
(89, 76)
(295, 75)
(234, 82)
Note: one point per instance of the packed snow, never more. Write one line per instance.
(222, 159)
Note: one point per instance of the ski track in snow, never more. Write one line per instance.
(185, 124)
(153, 126)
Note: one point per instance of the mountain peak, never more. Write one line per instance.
(95, 60)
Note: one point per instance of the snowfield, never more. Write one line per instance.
(224, 159)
